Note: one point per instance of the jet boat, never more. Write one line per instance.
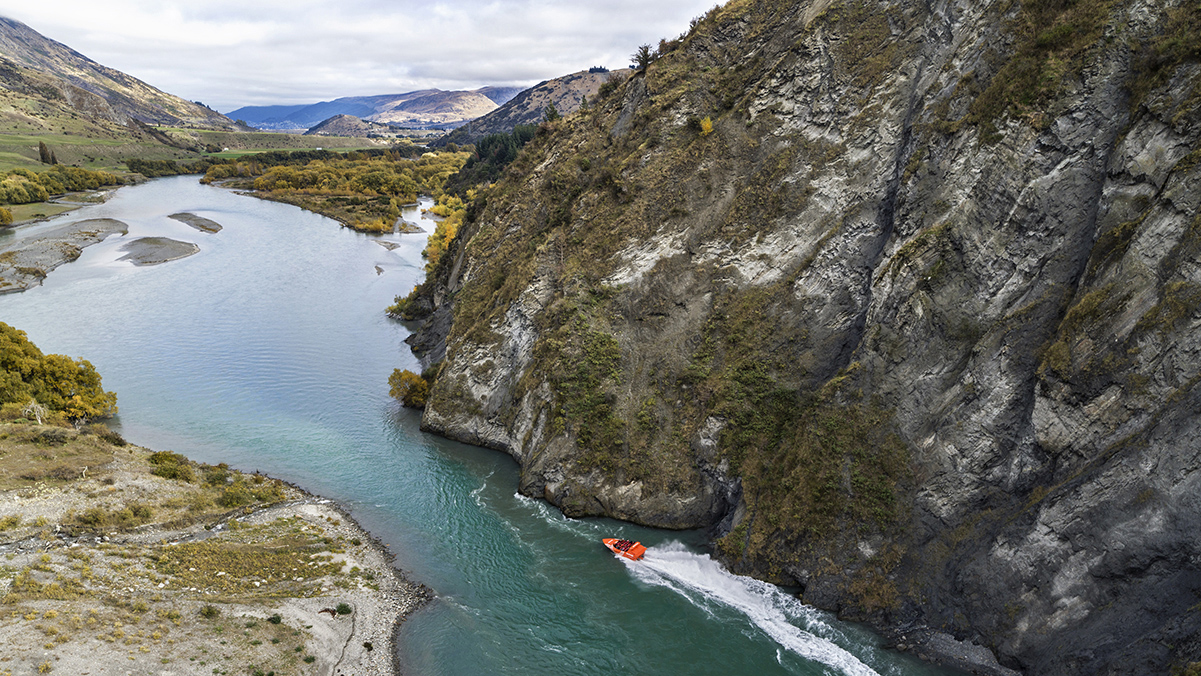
(631, 550)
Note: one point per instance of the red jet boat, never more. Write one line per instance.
(631, 550)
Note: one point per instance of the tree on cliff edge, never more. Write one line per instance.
(643, 57)
(410, 388)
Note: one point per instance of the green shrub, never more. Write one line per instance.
(344, 609)
(172, 466)
(217, 476)
(97, 518)
(240, 493)
(209, 612)
(102, 431)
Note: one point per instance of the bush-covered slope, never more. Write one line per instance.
(901, 299)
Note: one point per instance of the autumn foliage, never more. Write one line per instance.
(68, 387)
(453, 212)
(410, 388)
(22, 186)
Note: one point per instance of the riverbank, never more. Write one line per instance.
(39, 212)
(326, 206)
(116, 558)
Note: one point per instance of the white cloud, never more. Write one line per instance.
(230, 53)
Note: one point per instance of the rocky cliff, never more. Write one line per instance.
(900, 298)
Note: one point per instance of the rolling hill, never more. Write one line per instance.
(89, 115)
(348, 125)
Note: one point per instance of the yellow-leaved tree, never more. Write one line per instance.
(62, 385)
(410, 388)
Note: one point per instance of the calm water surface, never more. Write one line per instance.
(269, 350)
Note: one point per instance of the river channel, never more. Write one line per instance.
(269, 350)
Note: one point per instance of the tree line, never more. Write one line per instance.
(22, 186)
(371, 175)
(491, 155)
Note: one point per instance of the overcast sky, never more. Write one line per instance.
(232, 53)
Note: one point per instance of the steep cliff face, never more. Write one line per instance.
(901, 298)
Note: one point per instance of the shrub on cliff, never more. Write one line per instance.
(410, 388)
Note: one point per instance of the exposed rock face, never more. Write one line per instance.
(901, 298)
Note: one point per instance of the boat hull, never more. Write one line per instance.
(633, 552)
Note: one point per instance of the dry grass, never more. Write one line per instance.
(32, 454)
(205, 569)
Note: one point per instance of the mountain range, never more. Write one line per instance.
(427, 108)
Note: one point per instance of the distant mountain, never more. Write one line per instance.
(500, 95)
(70, 77)
(528, 107)
(348, 125)
(429, 108)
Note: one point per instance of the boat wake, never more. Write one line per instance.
(796, 627)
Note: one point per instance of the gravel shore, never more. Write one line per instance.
(116, 570)
(25, 262)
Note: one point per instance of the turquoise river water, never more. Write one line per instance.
(269, 350)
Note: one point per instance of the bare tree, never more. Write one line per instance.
(34, 410)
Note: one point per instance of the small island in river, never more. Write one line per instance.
(156, 250)
(199, 222)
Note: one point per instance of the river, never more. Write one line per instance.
(269, 350)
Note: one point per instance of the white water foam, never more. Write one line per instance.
(478, 493)
(588, 530)
(703, 581)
